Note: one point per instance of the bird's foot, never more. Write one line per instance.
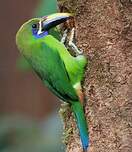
(70, 37)
(64, 37)
(72, 45)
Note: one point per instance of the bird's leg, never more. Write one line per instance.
(63, 40)
(72, 45)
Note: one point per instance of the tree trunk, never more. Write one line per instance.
(104, 32)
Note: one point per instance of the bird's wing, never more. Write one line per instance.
(54, 74)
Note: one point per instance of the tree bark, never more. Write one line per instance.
(104, 32)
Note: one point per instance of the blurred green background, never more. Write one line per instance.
(28, 111)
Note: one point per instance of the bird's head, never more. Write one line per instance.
(39, 27)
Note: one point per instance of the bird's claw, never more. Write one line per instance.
(71, 44)
(64, 37)
(75, 48)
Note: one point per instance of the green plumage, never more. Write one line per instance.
(58, 70)
(45, 7)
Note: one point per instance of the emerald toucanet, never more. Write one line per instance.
(57, 68)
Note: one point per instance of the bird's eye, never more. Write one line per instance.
(34, 26)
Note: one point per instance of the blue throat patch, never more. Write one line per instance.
(34, 31)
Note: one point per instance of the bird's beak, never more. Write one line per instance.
(54, 19)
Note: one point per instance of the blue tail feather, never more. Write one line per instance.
(82, 124)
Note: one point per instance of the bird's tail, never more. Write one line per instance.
(81, 123)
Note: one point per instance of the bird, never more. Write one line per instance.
(60, 71)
